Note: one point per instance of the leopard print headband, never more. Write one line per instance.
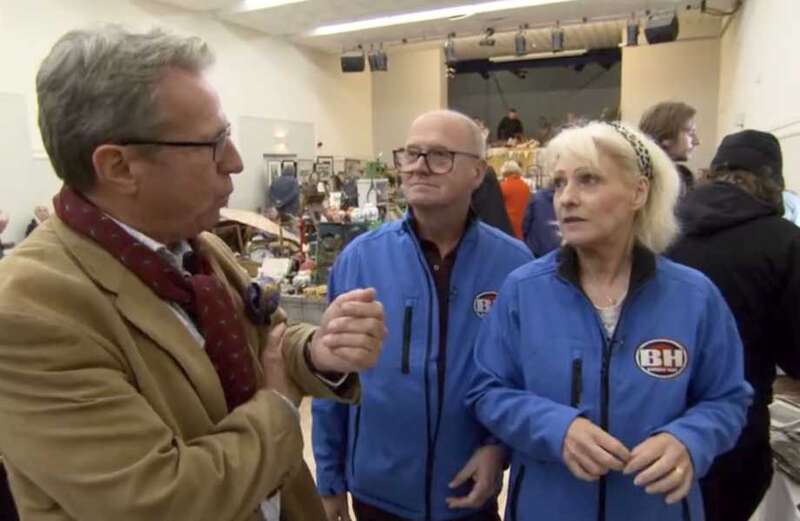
(642, 155)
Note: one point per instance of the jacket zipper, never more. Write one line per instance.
(604, 382)
(429, 456)
(514, 494)
(687, 513)
(405, 365)
(431, 442)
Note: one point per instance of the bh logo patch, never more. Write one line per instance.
(483, 303)
(662, 358)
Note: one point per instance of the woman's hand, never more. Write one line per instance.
(662, 465)
(589, 452)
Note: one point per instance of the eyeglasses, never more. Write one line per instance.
(217, 145)
(438, 161)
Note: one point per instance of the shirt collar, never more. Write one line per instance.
(172, 254)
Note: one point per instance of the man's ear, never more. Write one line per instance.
(112, 169)
(480, 172)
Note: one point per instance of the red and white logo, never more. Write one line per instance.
(483, 303)
(662, 358)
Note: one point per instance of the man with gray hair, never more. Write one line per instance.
(410, 450)
(143, 375)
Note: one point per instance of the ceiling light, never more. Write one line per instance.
(424, 16)
(378, 61)
(256, 5)
(537, 56)
(557, 38)
(520, 43)
(632, 32)
(450, 49)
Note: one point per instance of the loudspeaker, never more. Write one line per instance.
(353, 63)
(663, 28)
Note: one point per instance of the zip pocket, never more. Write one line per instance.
(576, 382)
(406, 354)
(355, 440)
(514, 494)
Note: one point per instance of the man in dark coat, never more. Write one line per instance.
(488, 205)
(510, 126)
(734, 233)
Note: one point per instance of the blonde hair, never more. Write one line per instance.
(655, 225)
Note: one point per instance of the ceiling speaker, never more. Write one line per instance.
(353, 62)
(663, 28)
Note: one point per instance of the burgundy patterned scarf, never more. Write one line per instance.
(202, 295)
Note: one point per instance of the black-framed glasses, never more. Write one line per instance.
(217, 145)
(438, 161)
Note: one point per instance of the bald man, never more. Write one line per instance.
(411, 450)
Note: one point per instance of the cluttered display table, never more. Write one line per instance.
(782, 501)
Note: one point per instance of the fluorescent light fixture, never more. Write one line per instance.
(424, 16)
(256, 5)
(537, 56)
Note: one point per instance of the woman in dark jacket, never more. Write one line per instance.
(734, 233)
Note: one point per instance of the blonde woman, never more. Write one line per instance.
(612, 374)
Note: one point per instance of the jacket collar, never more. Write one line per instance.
(409, 225)
(146, 311)
(643, 267)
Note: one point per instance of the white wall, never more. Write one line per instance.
(414, 84)
(684, 70)
(257, 76)
(760, 77)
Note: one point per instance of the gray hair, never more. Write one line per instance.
(475, 132)
(100, 86)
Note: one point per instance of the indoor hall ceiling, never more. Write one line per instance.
(296, 20)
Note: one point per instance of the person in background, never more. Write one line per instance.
(411, 450)
(671, 124)
(510, 126)
(733, 231)
(488, 205)
(791, 207)
(284, 193)
(539, 225)
(515, 195)
(3, 225)
(143, 375)
(614, 375)
(40, 214)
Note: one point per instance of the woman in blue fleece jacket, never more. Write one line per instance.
(614, 375)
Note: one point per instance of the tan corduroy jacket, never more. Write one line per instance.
(111, 411)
